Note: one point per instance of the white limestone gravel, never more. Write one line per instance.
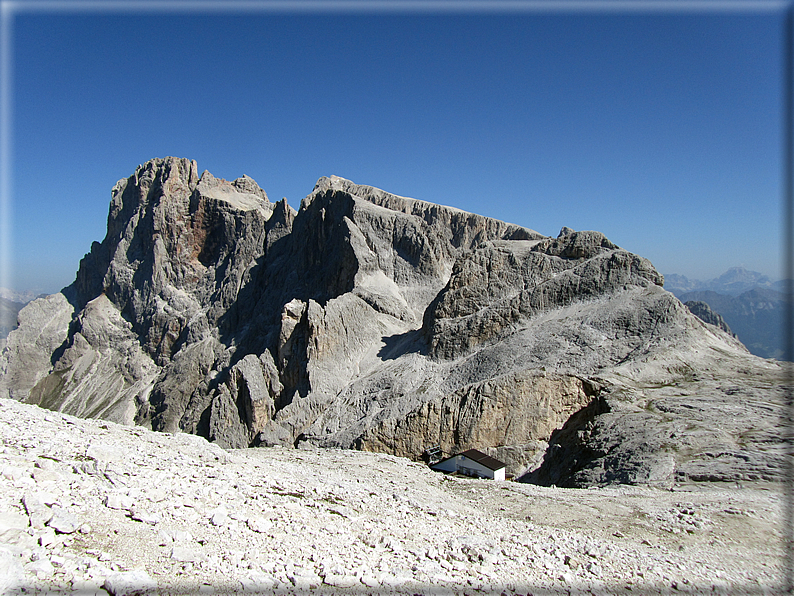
(91, 507)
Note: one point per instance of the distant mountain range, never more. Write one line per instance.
(751, 303)
(733, 282)
(22, 297)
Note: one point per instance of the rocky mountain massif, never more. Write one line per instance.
(371, 321)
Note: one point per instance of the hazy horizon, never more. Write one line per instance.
(660, 128)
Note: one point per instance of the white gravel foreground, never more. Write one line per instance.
(90, 507)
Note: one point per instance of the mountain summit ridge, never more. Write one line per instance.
(385, 323)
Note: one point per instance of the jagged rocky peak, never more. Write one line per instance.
(176, 250)
(375, 321)
(171, 226)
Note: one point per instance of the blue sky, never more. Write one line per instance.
(660, 128)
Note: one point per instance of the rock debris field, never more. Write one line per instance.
(88, 506)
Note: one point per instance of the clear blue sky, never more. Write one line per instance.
(661, 129)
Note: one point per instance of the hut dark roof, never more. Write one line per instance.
(485, 460)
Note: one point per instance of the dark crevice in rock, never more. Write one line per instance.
(569, 451)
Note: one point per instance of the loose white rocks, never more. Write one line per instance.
(129, 583)
(63, 522)
(260, 525)
(288, 521)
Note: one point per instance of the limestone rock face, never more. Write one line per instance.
(385, 323)
(510, 415)
(501, 283)
(245, 404)
(657, 434)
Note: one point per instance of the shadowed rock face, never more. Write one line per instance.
(375, 321)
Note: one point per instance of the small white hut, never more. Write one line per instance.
(472, 463)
